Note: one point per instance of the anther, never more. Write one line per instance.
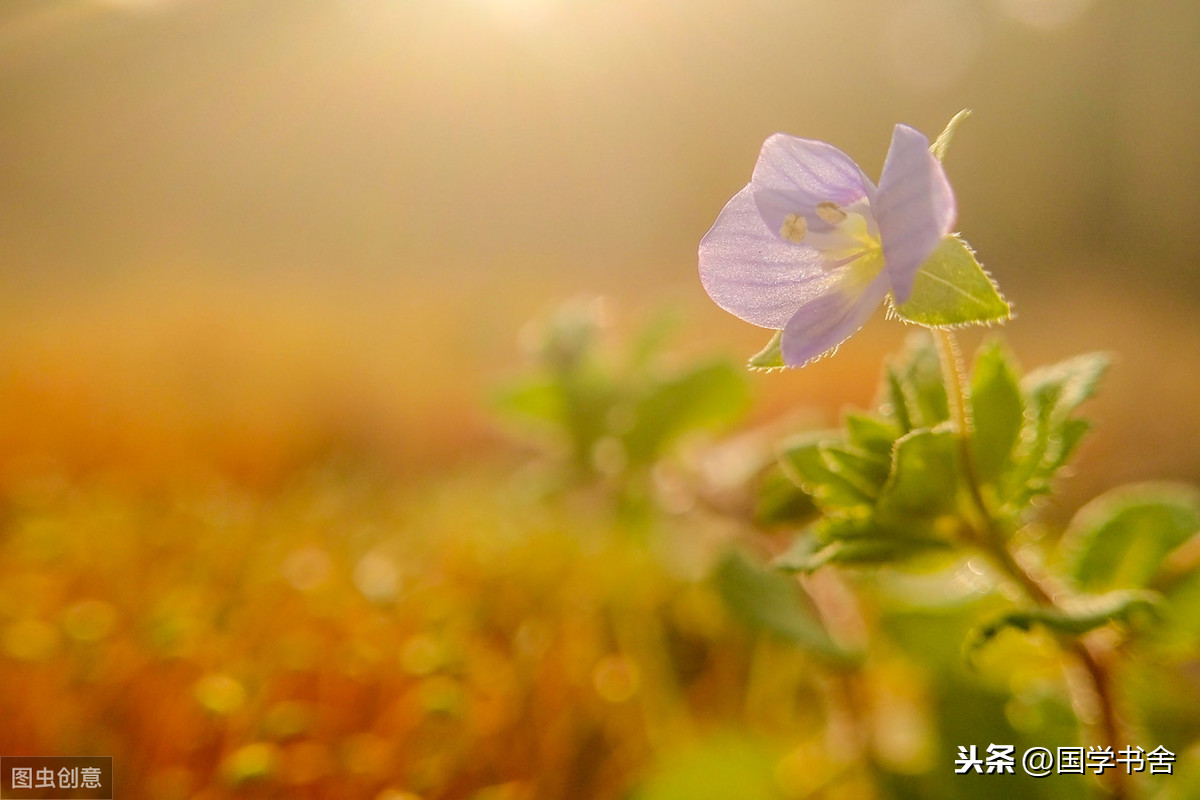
(794, 227)
(830, 212)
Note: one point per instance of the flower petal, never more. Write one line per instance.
(915, 207)
(793, 175)
(828, 319)
(750, 272)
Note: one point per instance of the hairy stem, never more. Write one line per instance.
(987, 536)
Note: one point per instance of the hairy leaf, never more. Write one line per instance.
(997, 408)
(1119, 540)
(924, 477)
(951, 288)
(833, 487)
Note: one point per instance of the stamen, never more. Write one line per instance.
(794, 227)
(830, 212)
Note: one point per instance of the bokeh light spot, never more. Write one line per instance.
(30, 640)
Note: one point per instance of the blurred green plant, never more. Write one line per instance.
(611, 413)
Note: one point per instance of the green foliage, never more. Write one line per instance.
(888, 484)
(952, 289)
(779, 502)
(892, 483)
(617, 414)
(997, 410)
(1121, 538)
(1050, 434)
(1083, 614)
(769, 602)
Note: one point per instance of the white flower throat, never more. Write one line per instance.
(845, 237)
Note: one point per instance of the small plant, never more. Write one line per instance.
(952, 465)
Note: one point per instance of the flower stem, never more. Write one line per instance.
(986, 534)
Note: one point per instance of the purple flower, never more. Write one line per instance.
(811, 246)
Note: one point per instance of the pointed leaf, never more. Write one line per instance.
(897, 400)
(951, 288)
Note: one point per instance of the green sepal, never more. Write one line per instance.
(951, 288)
(1082, 615)
(942, 143)
(770, 358)
(768, 601)
(1120, 539)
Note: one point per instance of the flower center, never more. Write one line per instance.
(847, 239)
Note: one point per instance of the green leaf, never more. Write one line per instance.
(924, 476)
(1120, 539)
(997, 408)
(896, 404)
(871, 433)
(1050, 435)
(1083, 615)
(915, 389)
(865, 469)
(1055, 391)
(833, 488)
(769, 601)
(866, 544)
(706, 396)
(952, 288)
(770, 357)
(780, 502)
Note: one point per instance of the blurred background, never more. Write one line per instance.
(238, 235)
(242, 241)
